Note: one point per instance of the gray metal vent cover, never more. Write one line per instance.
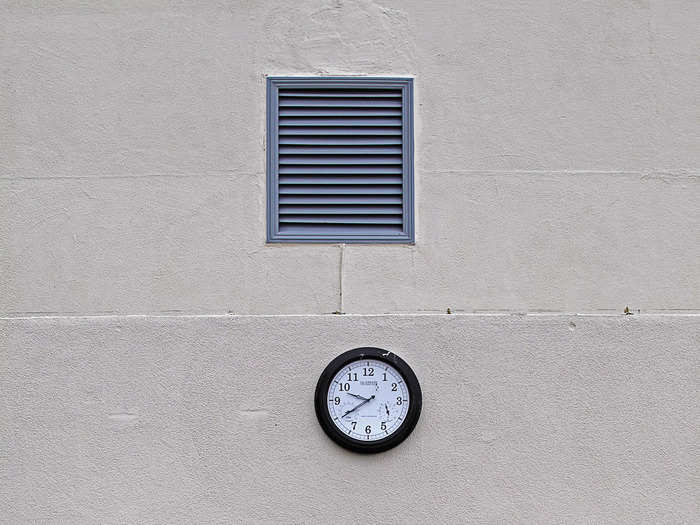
(340, 159)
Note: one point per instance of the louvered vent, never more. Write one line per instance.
(340, 160)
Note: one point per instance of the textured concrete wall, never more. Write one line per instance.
(533, 419)
(557, 170)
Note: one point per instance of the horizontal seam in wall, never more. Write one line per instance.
(221, 174)
(234, 316)
(652, 173)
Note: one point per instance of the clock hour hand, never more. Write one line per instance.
(387, 409)
(358, 406)
(358, 397)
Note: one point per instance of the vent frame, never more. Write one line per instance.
(274, 84)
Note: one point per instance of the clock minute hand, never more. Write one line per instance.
(358, 406)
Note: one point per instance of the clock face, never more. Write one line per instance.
(368, 400)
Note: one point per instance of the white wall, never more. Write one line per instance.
(557, 156)
(578, 419)
(557, 170)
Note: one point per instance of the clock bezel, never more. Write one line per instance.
(412, 385)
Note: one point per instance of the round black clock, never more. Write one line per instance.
(368, 400)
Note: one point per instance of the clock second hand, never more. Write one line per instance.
(358, 406)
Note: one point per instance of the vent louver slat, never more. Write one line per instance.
(337, 121)
(345, 102)
(328, 140)
(345, 93)
(309, 189)
(349, 219)
(329, 130)
(324, 208)
(339, 160)
(339, 169)
(372, 180)
(341, 150)
(328, 160)
(339, 112)
(339, 199)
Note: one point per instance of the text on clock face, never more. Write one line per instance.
(368, 400)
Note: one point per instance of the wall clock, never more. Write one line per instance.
(368, 400)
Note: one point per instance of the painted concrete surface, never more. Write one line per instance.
(534, 242)
(557, 170)
(557, 159)
(113, 88)
(528, 419)
(155, 245)
(516, 241)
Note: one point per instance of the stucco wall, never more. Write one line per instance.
(557, 170)
(551, 418)
(556, 156)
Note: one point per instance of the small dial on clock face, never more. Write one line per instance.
(368, 400)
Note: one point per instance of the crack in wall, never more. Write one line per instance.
(340, 279)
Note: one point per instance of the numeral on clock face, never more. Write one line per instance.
(365, 404)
